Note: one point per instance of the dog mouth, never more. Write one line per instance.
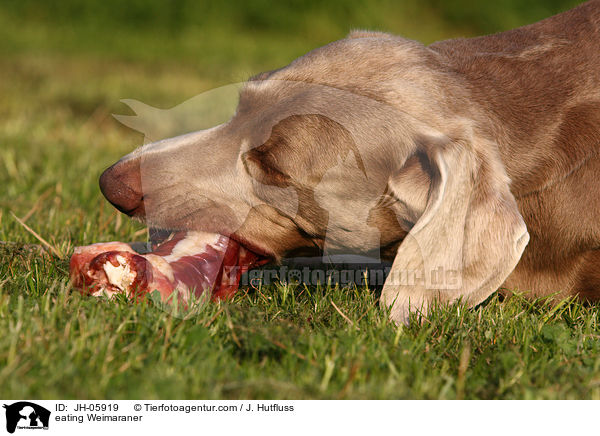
(203, 261)
(190, 262)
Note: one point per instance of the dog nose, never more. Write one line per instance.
(121, 184)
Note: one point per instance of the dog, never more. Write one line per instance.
(473, 160)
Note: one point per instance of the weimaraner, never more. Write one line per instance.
(472, 164)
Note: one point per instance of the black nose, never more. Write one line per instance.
(121, 184)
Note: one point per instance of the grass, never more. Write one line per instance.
(286, 342)
(58, 87)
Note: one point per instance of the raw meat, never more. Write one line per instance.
(190, 262)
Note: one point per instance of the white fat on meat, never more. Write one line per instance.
(120, 276)
(161, 265)
(192, 244)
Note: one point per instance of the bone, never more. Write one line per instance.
(191, 263)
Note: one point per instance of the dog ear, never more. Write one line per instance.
(469, 237)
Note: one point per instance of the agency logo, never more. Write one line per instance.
(26, 415)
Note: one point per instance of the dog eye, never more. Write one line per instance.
(261, 165)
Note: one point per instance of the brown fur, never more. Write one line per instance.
(436, 157)
(540, 86)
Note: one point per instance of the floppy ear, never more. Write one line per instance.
(468, 239)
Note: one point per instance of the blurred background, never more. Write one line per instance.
(221, 41)
(65, 65)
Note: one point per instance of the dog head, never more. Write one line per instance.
(365, 145)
